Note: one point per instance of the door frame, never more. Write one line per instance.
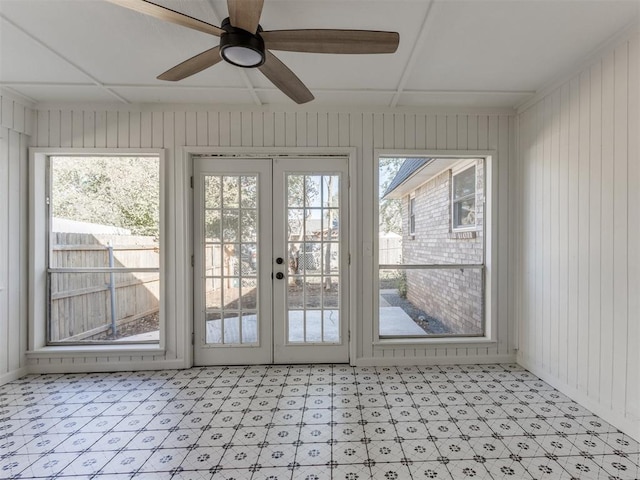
(355, 294)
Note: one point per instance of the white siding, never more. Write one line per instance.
(14, 138)
(580, 284)
(366, 131)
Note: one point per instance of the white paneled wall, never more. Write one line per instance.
(367, 131)
(580, 237)
(15, 128)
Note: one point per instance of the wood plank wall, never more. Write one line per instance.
(580, 224)
(171, 128)
(15, 128)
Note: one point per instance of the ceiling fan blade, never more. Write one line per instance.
(285, 79)
(168, 15)
(192, 66)
(332, 41)
(245, 14)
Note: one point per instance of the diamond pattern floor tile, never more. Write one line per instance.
(306, 422)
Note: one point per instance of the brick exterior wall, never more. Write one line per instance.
(455, 297)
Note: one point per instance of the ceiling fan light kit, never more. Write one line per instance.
(244, 44)
(241, 48)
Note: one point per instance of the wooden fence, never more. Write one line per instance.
(80, 303)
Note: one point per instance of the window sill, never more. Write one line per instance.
(460, 342)
(97, 350)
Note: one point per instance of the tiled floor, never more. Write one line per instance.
(305, 422)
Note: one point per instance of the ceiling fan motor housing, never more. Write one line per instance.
(241, 48)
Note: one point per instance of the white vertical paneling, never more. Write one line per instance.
(15, 271)
(589, 255)
(388, 137)
(157, 123)
(572, 314)
(583, 212)
(224, 127)
(563, 230)
(247, 129)
(112, 129)
(6, 112)
(620, 222)
(333, 129)
(554, 207)
(202, 129)
(123, 130)
(101, 129)
(343, 130)
(452, 132)
(544, 217)
(134, 129)
(312, 129)
(77, 129)
(399, 131)
(431, 132)
(301, 128)
(279, 129)
(290, 129)
(606, 235)
(421, 132)
(257, 128)
(54, 127)
(410, 132)
(633, 231)
(191, 128)
(235, 129)
(441, 132)
(13, 231)
(66, 128)
(4, 248)
(323, 130)
(213, 120)
(595, 181)
(502, 204)
(472, 132)
(43, 128)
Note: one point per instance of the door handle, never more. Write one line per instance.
(279, 275)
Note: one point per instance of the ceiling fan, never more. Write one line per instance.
(243, 43)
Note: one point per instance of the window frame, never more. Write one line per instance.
(412, 215)
(454, 173)
(490, 321)
(39, 249)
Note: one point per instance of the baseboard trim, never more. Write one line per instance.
(630, 426)
(14, 375)
(410, 361)
(108, 367)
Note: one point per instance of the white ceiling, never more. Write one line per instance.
(452, 53)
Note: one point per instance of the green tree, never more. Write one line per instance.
(118, 191)
(390, 210)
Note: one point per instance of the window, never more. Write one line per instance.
(463, 199)
(103, 249)
(412, 215)
(434, 287)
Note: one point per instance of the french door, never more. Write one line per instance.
(270, 260)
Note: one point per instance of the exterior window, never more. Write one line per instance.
(412, 215)
(464, 199)
(103, 262)
(434, 287)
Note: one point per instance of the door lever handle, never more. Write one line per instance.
(279, 275)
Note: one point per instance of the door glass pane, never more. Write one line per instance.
(231, 259)
(313, 291)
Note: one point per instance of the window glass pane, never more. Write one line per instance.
(428, 302)
(425, 219)
(105, 213)
(464, 183)
(416, 214)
